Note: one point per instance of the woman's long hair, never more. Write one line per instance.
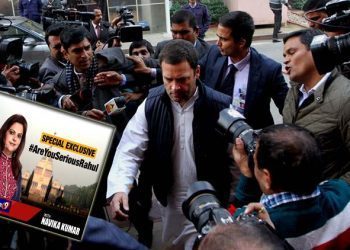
(16, 164)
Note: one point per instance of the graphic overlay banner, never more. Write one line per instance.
(62, 158)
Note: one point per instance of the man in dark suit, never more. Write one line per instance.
(255, 78)
(184, 26)
(98, 30)
(56, 61)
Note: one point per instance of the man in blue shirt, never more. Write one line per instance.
(30, 9)
(200, 11)
(287, 168)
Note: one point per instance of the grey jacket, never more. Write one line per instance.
(326, 113)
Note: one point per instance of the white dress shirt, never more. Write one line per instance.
(130, 154)
(304, 94)
(241, 82)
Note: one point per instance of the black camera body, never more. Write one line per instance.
(126, 15)
(69, 16)
(26, 71)
(43, 95)
(11, 50)
(203, 209)
(232, 125)
(130, 31)
(329, 52)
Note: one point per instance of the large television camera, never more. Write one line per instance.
(11, 50)
(69, 16)
(128, 30)
(203, 209)
(329, 52)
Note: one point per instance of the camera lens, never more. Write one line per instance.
(328, 52)
(200, 205)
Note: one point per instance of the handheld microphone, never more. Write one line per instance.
(115, 106)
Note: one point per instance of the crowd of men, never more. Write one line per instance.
(168, 139)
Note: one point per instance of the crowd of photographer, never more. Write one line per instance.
(182, 107)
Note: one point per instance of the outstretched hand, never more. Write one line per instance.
(108, 78)
(139, 65)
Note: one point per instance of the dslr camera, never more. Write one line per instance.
(329, 52)
(203, 209)
(232, 125)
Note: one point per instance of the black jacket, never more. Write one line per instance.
(210, 149)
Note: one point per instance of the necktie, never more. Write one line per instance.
(229, 81)
(98, 30)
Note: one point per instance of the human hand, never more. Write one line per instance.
(260, 211)
(132, 96)
(241, 158)
(95, 114)
(117, 22)
(68, 104)
(139, 65)
(34, 82)
(11, 73)
(108, 78)
(99, 46)
(120, 205)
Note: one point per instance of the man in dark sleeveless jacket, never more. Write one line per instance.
(172, 140)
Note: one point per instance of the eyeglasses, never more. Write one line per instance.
(180, 32)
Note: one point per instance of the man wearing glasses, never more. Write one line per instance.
(184, 26)
(55, 62)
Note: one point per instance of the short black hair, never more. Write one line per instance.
(305, 35)
(177, 51)
(184, 16)
(73, 35)
(241, 235)
(139, 44)
(290, 153)
(53, 30)
(241, 25)
(314, 4)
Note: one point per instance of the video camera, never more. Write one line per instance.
(43, 95)
(128, 30)
(329, 52)
(69, 16)
(11, 50)
(232, 125)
